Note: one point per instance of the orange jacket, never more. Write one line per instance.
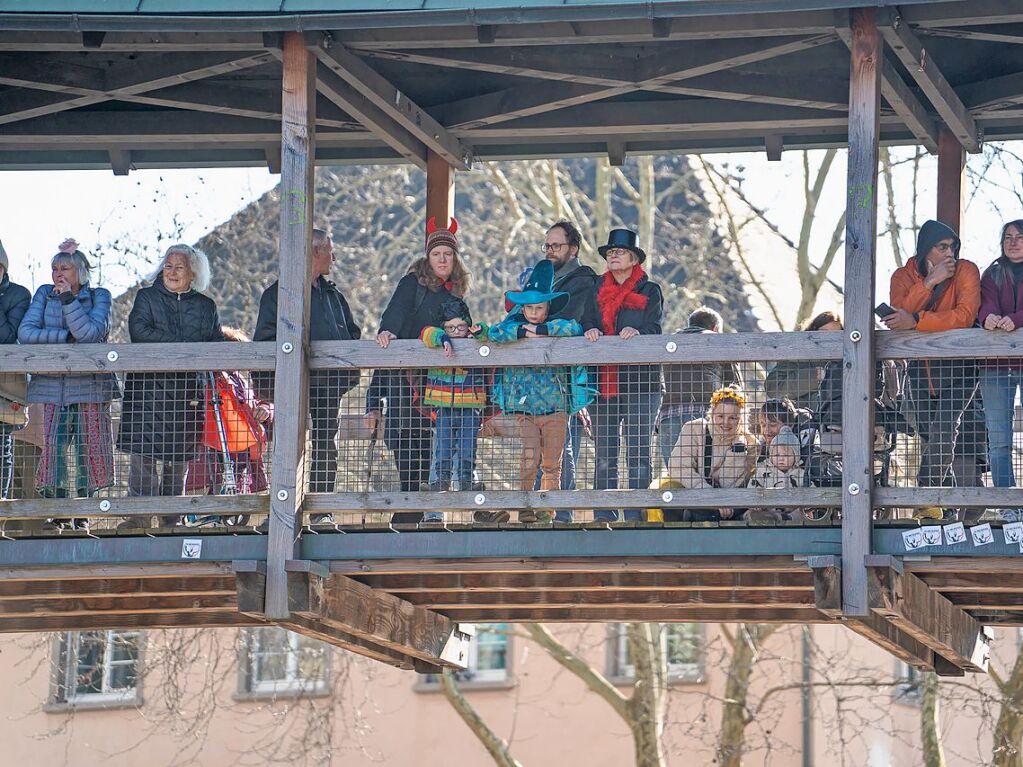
(957, 307)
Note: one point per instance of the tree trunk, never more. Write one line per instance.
(495, 746)
(647, 704)
(745, 647)
(647, 204)
(930, 730)
(1009, 728)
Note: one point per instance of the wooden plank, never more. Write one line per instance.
(116, 571)
(140, 358)
(906, 601)
(121, 604)
(378, 617)
(949, 344)
(780, 564)
(397, 105)
(951, 172)
(952, 583)
(166, 620)
(334, 636)
(827, 586)
(616, 581)
(994, 566)
(46, 508)
(922, 68)
(723, 347)
(858, 355)
(135, 587)
(780, 598)
(993, 92)
(440, 190)
(638, 615)
(322, 503)
(973, 600)
(888, 637)
(291, 379)
(921, 497)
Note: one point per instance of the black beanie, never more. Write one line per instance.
(453, 308)
(931, 233)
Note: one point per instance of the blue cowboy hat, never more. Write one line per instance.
(623, 238)
(539, 289)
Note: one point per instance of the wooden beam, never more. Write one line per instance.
(291, 378)
(780, 598)
(858, 345)
(398, 106)
(896, 92)
(440, 189)
(889, 637)
(166, 620)
(950, 344)
(121, 604)
(120, 161)
(922, 68)
(372, 117)
(951, 172)
(582, 582)
(660, 614)
(111, 572)
(334, 636)
(62, 508)
(906, 601)
(148, 587)
(380, 618)
(993, 93)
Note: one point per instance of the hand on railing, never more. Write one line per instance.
(384, 337)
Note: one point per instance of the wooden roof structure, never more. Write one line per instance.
(162, 84)
(171, 84)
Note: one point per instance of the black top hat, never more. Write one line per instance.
(623, 238)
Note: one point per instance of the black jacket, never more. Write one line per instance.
(411, 308)
(330, 319)
(163, 413)
(693, 384)
(580, 284)
(634, 379)
(14, 301)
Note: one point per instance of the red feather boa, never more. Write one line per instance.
(612, 297)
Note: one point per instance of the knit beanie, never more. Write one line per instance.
(453, 308)
(786, 439)
(3, 258)
(439, 236)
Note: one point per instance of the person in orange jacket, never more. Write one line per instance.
(937, 290)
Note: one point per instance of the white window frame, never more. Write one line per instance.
(70, 650)
(622, 670)
(293, 683)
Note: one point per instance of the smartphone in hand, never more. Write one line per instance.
(883, 310)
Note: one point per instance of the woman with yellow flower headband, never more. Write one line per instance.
(715, 451)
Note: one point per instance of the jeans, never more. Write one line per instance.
(146, 478)
(998, 387)
(938, 417)
(573, 440)
(634, 413)
(671, 426)
(456, 434)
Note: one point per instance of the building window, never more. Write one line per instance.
(282, 662)
(98, 667)
(683, 645)
(908, 689)
(489, 660)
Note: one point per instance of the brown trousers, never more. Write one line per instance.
(543, 440)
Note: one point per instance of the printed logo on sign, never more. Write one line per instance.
(932, 535)
(191, 548)
(913, 539)
(955, 533)
(982, 535)
(1013, 532)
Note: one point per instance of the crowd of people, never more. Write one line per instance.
(685, 425)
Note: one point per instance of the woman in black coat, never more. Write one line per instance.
(14, 301)
(162, 417)
(629, 305)
(406, 428)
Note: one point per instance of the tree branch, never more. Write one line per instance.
(495, 746)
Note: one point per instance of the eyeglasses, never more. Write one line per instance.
(552, 247)
(1010, 239)
(461, 327)
(618, 251)
(944, 247)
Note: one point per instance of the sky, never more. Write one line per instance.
(149, 210)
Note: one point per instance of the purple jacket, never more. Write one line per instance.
(1000, 295)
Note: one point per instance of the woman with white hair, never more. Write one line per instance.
(162, 417)
(76, 408)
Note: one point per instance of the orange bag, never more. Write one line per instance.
(243, 430)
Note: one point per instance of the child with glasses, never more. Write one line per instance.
(457, 396)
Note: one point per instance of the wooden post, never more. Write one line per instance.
(291, 380)
(440, 188)
(951, 167)
(858, 345)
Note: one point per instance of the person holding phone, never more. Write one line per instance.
(937, 290)
(715, 451)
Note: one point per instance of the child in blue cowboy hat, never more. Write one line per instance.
(541, 398)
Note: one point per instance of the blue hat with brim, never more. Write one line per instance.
(539, 289)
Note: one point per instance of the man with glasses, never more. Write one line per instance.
(561, 248)
(937, 290)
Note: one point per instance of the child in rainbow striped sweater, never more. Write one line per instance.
(457, 396)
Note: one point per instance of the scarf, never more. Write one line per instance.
(612, 297)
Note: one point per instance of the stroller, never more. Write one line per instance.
(822, 434)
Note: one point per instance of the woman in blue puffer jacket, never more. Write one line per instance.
(76, 408)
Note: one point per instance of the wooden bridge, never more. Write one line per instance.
(203, 85)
